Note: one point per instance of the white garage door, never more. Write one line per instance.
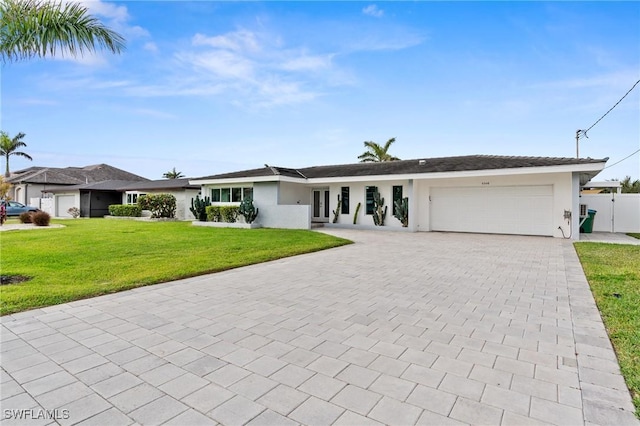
(63, 203)
(525, 210)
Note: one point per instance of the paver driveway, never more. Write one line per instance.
(396, 329)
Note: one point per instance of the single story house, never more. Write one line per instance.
(475, 193)
(35, 183)
(94, 199)
(179, 188)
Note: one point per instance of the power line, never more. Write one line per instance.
(618, 162)
(584, 132)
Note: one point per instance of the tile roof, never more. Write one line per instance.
(416, 166)
(72, 175)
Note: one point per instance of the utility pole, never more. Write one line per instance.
(577, 139)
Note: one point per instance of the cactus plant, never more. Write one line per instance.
(379, 213)
(248, 210)
(336, 212)
(355, 215)
(199, 207)
(402, 211)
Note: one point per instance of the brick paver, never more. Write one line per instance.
(399, 328)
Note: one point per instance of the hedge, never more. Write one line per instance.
(130, 210)
(222, 213)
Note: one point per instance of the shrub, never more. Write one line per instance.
(74, 212)
(25, 217)
(213, 214)
(222, 213)
(229, 213)
(41, 218)
(133, 210)
(160, 205)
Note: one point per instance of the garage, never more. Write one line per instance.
(63, 204)
(523, 210)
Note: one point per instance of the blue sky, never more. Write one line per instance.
(210, 87)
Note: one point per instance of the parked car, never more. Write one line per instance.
(13, 208)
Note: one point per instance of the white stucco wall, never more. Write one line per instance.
(562, 184)
(357, 194)
(293, 193)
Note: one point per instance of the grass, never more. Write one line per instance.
(91, 257)
(613, 272)
(634, 235)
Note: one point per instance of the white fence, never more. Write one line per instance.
(45, 204)
(615, 212)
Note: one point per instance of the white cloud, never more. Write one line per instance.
(153, 113)
(373, 10)
(239, 41)
(150, 46)
(308, 63)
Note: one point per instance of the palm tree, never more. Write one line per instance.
(173, 174)
(629, 187)
(9, 146)
(376, 153)
(30, 28)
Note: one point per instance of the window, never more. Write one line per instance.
(369, 191)
(230, 195)
(132, 197)
(225, 195)
(344, 208)
(247, 193)
(236, 195)
(397, 196)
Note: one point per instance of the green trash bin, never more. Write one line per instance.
(587, 226)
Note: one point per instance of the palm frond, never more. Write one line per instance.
(30, 28)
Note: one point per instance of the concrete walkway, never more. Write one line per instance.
(609, 237)
(396, 329)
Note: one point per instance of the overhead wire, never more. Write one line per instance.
(618, 162)
(584, 132)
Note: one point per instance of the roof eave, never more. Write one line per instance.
(589, 168)
(273, 178)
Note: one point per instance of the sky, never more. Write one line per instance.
(212, 87)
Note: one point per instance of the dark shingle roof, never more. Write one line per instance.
(160, 184)
(426, 165)
(73, 175)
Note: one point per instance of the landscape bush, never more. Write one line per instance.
(25, 217)
(132, 210)
(41, 218)
(74, 212)
(222, 213)
(160, 205)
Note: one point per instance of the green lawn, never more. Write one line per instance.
(613, 272)
(634, 235)
(90, 257)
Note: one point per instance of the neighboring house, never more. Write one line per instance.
(180, 188)
(476, 193)
(40, 182)
(94, 199)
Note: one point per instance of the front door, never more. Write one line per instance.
(320, 205)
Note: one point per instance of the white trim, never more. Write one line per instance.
(228, 181)
(466, 173)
